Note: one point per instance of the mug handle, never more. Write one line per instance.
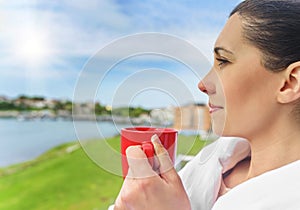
(148, 149)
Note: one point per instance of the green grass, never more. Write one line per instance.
(61, 180)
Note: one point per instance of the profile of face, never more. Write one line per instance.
(242, 96)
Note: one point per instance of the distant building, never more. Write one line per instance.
(84, 111)
(50, 103)
(192, 117)
(164, 116)
(4, 99)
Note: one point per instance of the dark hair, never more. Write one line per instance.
(273, 26)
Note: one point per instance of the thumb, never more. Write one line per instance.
(138, 163)
(166, 167)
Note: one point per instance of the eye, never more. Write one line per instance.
(222, 61)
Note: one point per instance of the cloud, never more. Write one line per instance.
(81, 29)
(60, 35)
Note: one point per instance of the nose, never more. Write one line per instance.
(208, 84)
(202, 87)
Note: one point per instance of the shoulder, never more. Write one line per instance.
(225, 151)
(202, 175)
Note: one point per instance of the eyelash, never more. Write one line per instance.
(222, 62)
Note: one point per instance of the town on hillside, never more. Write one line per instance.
(193, 116)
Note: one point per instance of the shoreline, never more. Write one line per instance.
(25, 140)
(39, 116)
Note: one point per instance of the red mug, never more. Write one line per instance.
(142, 136)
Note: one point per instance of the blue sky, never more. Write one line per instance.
(44, 45)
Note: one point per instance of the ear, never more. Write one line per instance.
(290, 89)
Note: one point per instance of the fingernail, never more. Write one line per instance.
(155, 139)
(158, 147)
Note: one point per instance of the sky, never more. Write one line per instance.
(117, 52)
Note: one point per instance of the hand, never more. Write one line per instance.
(143, 188)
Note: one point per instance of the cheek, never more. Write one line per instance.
(238, 89)
(248, 99)
(242, 84)
(235, 89)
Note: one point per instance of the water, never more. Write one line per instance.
(24, 140)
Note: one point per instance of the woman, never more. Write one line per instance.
(254, 93)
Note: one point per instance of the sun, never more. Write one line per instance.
(32, 47)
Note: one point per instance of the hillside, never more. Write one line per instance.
(61, 180)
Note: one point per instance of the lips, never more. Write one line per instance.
(213, 108)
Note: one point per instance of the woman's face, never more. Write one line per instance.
(242, 93)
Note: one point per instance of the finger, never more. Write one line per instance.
(138, 163)
(156, 164)
(166, 167)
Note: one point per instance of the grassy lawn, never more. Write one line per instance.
(61, 180)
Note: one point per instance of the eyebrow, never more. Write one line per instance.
(218, 49)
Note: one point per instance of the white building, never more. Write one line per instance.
(163, 116)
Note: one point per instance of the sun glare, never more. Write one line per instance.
(32, 47)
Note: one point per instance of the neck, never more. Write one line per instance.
(271, 150)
